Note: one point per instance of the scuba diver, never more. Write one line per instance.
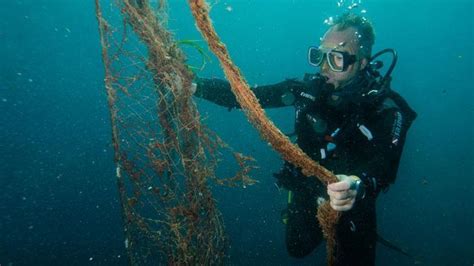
(349, 120)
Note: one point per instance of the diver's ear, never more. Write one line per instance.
(363, 63)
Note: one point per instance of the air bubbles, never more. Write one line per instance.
(352, 6)
(329, 21)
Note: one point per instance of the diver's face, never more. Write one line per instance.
(344, 41)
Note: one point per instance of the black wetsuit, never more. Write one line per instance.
(351, 138)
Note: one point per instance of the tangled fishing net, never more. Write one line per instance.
(165, 157)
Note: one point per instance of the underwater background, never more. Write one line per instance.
(58, 195)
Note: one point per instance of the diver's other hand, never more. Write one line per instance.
(193, 87)
(342, 194)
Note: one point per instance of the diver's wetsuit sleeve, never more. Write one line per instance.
(380, 168)
(270, 96)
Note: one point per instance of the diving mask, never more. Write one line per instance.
(338, 61)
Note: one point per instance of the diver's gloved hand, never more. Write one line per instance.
(343, 194)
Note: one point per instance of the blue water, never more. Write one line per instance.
(58, 197)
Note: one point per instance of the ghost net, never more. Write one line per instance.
(165, 157)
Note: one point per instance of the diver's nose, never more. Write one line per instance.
(324, 66)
